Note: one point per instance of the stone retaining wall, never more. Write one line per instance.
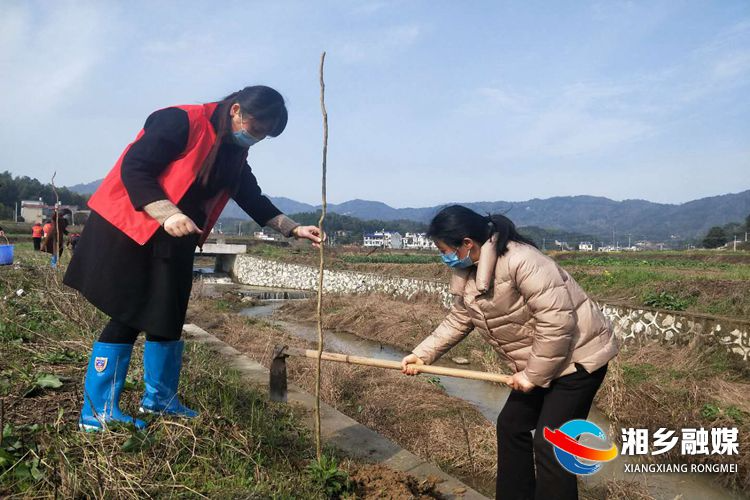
(630, 324)
(261, 272)
(642, 325)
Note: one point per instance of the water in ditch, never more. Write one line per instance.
(489, 398)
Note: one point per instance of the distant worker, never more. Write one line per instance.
(54, 240)
(46, 228)
(134, 261)
(541, 323)
(37, 233)
(73, 241)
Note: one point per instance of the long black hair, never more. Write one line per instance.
(262, 103)
(454, 223)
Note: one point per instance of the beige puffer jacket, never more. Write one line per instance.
(530, 310)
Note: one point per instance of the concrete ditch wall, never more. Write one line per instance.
(630, 324)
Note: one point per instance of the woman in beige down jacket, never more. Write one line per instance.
(551, 335)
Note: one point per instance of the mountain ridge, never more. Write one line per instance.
(596, 215)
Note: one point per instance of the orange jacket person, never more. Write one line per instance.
(134, 260)
(37, 233)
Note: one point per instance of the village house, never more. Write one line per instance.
(385, 239)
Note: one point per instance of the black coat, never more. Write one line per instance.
(148, 287)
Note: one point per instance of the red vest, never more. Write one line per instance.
(112, 202)
(36, 231)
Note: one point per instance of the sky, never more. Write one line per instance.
(429, 102)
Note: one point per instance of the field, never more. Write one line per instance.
(699, 281)
(648, 385)
(715, 282)
(240, 446)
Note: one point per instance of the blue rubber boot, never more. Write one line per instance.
(162, 363)
(105, 379)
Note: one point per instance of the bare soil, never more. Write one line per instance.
(374, 481)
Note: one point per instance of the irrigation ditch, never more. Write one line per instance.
(443, 419)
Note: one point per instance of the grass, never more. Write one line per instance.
(240, 445)
(644, 260)
(647, 385)
(391, 258)
(707, 282)
(700, 385)
(722, 293)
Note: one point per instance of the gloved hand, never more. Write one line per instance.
(178, 225)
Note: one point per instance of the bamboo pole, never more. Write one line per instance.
(396, 365)
(56, 214)
(318, 444)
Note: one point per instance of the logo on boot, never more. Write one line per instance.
(100, 364)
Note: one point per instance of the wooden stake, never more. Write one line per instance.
(318, 445)
(55, 243)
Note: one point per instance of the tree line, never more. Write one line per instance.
(14, 189)
(718, 236)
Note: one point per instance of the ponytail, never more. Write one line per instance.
(454, 223)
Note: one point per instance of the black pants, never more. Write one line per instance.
(519, 455)
(37, 243)
(118, 333)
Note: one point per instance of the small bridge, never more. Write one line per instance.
(222, 252)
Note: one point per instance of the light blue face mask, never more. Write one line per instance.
(452, 260)
(242, 138)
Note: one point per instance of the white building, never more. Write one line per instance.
(562, 245)
(586, 246)
(417, 241)
(36, 210)
(383, 238)
(260, 235)
(32, 210)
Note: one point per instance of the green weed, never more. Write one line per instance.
(19, 457)
(664, 300)
(435, 381)
(710, 411)
(326, 474)
(637, 373)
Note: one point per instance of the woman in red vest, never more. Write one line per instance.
(134, 260)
